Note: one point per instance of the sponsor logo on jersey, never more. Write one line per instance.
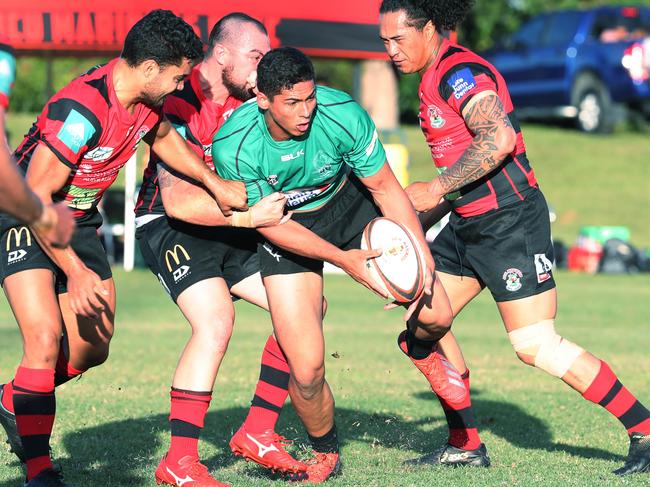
(16, 235)
(293, 155)
(513, 277)
(81, 198)
(76, 131)
(175, 255)
(99, 154)
(371, 147)
(543, 268)
(299, 197)
(272, 179)
(207, 150)
(461, 82)
(435, 117)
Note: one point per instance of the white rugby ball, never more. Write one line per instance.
(400, 269)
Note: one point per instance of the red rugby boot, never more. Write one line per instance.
(266, 449)
(322, 467)
(445, 380)
(188, 472)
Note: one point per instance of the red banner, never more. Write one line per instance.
(336, 28)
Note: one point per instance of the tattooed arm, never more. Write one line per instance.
(494, 139)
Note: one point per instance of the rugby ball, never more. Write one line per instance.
(400, 269)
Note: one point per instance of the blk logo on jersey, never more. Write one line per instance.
(76, 131)
(543, 268)
(461, 82)
(513, 277)
(293, 155)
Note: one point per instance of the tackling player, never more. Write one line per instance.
(64, 300)
(498, 235)
(320, 146)
(199, 265)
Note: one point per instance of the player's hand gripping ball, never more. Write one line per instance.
(400, 269)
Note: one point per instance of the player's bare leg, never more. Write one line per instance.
(531, 329)
(86, 341)
(449, 379)
(209, 310)
(296, 303)
(32, 298)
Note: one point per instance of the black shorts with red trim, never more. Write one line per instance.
(509, 250)
(340, 221)
(19, 251)
(180, 254)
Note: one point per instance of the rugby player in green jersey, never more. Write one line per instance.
(320, 148)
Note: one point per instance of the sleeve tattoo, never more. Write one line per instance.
(484, 118)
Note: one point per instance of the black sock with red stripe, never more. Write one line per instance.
(608, 391)
(186, 420)
(418, 349)
(35, 407)
(463, 433)
(271, 391)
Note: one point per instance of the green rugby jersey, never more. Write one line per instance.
(309, 169)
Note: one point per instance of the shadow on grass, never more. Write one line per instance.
(522, 430)
(126, 453)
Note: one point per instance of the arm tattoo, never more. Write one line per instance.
(165, 178)
(484, 119)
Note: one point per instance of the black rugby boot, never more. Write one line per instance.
(8, 421)
(638, 457)
(454, 457)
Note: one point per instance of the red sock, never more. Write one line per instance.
(186, 419)
(460, 418)
(608, 391)
(35, 407)
(8, 396)
(64, 371)
(271, 391)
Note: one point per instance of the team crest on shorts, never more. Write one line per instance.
(513, 279)
(543, 268)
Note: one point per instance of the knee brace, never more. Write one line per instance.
(553, 354)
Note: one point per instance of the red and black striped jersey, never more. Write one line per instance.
(89, 130)
(197, 119)
(447, 86)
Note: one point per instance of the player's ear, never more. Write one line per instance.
(262, 101)
(149, 68)
(220, 53)
(429, 30)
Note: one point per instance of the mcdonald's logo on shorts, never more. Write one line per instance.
(175, 255)
(15, 235)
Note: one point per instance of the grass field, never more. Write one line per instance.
(111, 426)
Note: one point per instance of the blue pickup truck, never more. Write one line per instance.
(588, 65)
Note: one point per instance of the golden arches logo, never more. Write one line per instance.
(17, 234)
(174, 254)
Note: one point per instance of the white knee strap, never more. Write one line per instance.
(552, 353)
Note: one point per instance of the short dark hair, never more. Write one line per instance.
(282, 68)
(443, 14)
(220, 31)
(163, 37)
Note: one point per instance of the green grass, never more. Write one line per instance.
(111, 426)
